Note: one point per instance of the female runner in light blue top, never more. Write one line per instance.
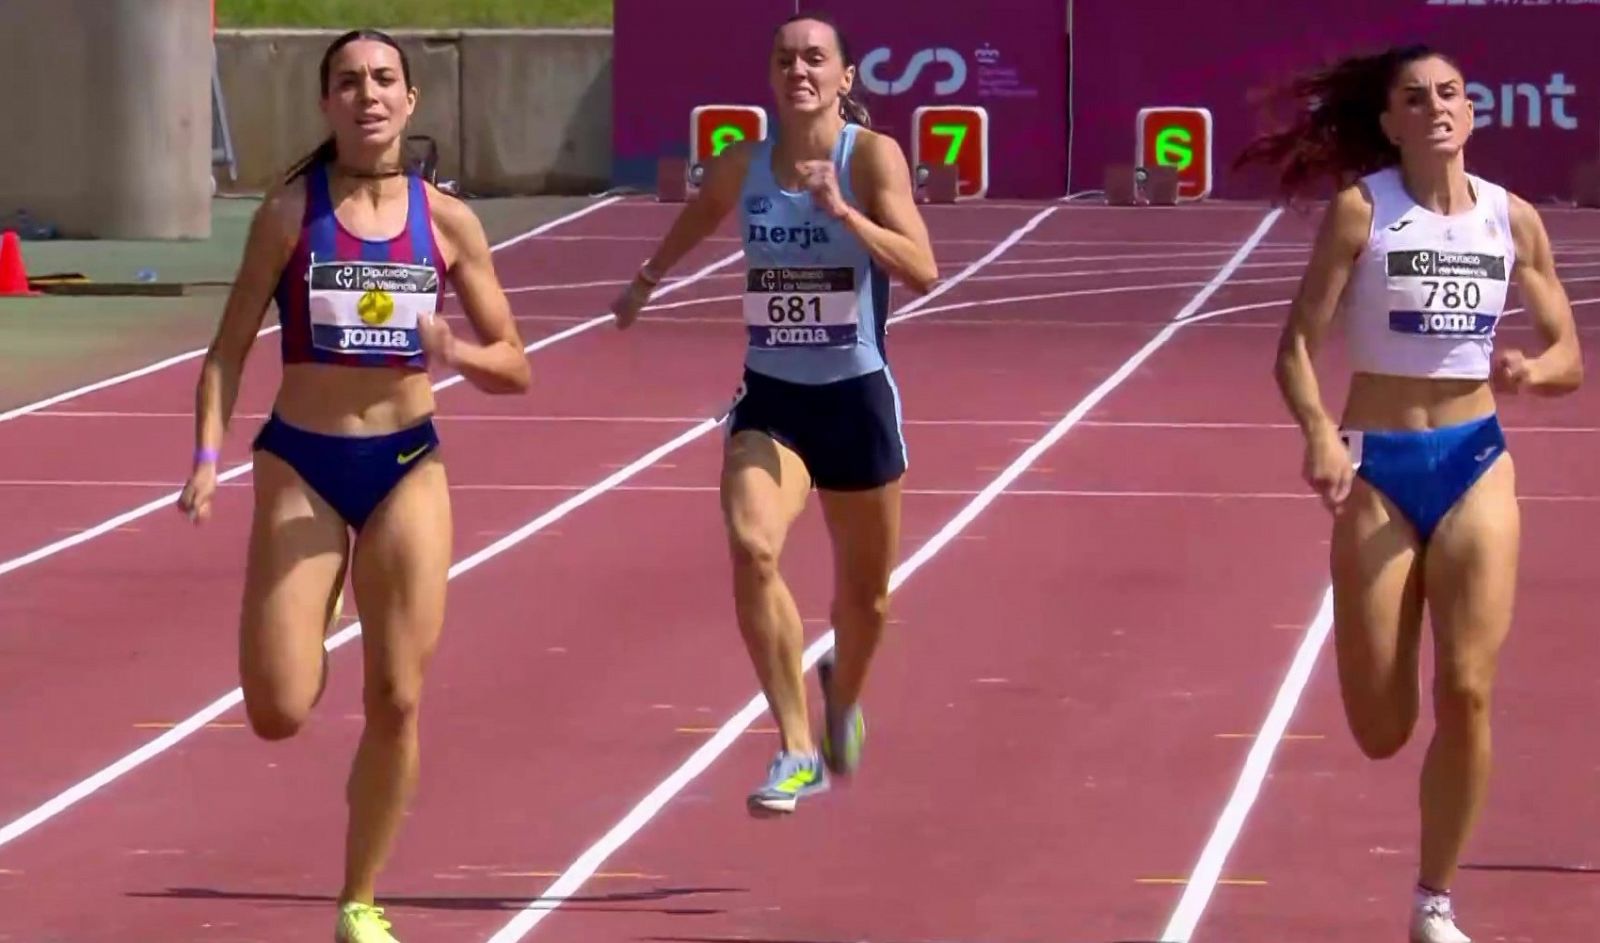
(827, 215)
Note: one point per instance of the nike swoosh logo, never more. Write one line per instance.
(406, 458)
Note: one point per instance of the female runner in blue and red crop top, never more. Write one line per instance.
(355, 251)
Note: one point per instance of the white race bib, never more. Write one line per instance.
(1445, 294)
(370, 307)
(1353, 440)
(801, 307)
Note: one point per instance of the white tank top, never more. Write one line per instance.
(1427, 293)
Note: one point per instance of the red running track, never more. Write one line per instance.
(1058, 718)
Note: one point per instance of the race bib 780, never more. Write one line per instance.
(1443, 293)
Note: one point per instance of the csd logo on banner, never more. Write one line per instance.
(944, 59)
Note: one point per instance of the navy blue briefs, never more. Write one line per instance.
(352, 473)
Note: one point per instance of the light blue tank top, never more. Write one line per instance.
(815, 302)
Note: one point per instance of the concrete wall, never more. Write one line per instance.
(271, 89)
(105, 116)
(536, 113)
(512, 111)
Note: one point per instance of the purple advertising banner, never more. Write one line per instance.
(1008, 57)
(1532, 69)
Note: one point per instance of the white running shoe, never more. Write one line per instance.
(1433, 921)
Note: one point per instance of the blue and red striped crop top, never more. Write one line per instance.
(356, 302)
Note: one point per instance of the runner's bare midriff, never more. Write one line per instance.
(1381, 401)
(352, 401)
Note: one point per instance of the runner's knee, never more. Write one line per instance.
(277, 714)
(1461, 691)
(1380, 740)
(1383, 726)
(393, 699)
(858, 601)
(755, 537)
(755, 552)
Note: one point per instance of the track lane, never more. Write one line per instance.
(605, 537)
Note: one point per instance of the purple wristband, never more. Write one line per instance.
(203, 456)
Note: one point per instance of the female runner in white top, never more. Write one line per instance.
(1417, 255)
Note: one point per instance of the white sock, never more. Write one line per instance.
(1425, 897)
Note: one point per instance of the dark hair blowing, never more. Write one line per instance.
(1336, 131)
(849, 105)
(328, 150)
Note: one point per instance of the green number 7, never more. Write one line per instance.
(957, 133)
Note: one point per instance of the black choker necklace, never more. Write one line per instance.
(370, 174)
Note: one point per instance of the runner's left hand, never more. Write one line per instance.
(438, 343)
(1513, 372)
(821, 179)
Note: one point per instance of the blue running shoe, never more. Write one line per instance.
(791, 777)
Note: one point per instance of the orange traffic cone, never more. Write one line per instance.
(13, 273)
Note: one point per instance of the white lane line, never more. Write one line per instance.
(166, 501)
(558, 221)
(598, 283)
(1215, 255)
(1000, 301)
(87, 787)
(1065, 323)
(1139, 270)
(590, 861)
(1089, 292)
(1100, 493)
(1259, 305)
(947, 241)
(186, 356)
(988, 257)
(916, 308)
(1197, 893)
(1151, 269)
(512, 487)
